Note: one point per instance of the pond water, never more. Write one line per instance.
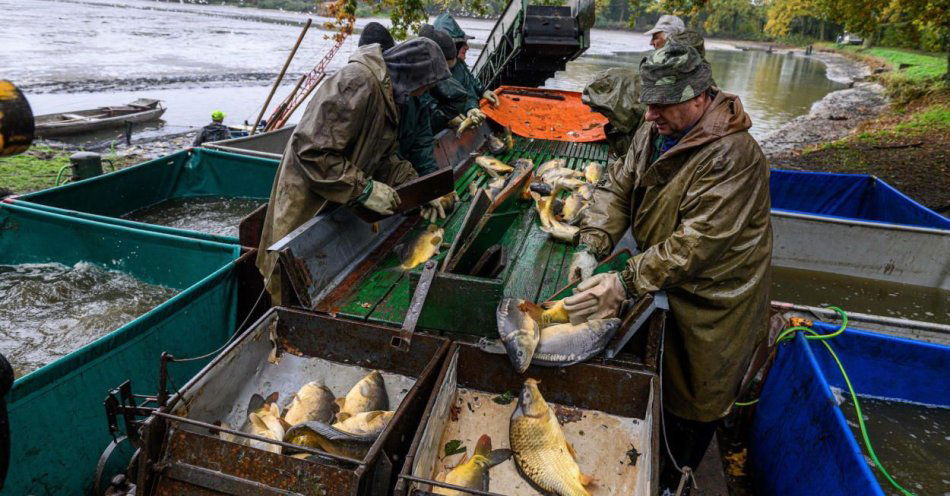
(198, 58)
(208, 214)
(49, 310)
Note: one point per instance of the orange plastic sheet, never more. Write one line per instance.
(546, 114)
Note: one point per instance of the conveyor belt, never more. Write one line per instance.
(540, 264)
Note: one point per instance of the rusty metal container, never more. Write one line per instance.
(610, 415)
(183, 453)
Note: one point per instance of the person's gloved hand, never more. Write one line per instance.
(436, 209)
(476, 115)
(597, 297)
(456, 121)
(582, 265)
(491, 97)
(380, 198)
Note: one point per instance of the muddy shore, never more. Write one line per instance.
(834, 116)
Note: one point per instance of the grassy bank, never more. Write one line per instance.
(38, 167)
(909, 145)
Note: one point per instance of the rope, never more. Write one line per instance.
(237, 332)
(812, 335)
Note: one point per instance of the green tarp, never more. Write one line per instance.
(185, 174)
(57, 420)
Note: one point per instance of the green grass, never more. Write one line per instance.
(923, 65)
(33, 170)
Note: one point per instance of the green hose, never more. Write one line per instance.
(60, 175)
(810, 334)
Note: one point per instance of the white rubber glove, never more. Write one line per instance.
(477, 116)
(582, 266)
(382, 198)
(454, 123)
(437, 209)
(491, 97)
(597, 297)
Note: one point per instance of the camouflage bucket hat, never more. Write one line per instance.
(673, 74)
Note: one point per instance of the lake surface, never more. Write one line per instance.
(74, 54)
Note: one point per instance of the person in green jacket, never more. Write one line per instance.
(448, 101)
(694, 190)
(461, 73)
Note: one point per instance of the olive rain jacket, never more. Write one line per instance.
(346, 137)
(700, 215)
(447, 100)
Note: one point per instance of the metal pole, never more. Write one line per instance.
(280, 76)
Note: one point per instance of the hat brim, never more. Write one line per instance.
(654, 31)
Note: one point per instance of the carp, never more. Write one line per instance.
(566, 344)
(313, 401)
(473, 473)
(493, 166)
(593, 172)
(573, 209)
(421, 247)
(540, 449)
(519, 332)
(266, 424)
(556, 163)
(367, 395)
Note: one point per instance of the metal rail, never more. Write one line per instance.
(304, 87)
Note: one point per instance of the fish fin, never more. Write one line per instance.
(586, 480)
(436, 240)
(570, 449)
(255, 403)
(483, 446)
(498, 456)
(272, 398)
(285, 424)
(340, 402)
(342, 416)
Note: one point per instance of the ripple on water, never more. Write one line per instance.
(49, 310)
(208, 214)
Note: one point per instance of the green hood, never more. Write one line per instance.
(447, 23)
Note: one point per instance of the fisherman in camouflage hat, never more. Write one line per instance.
(694, 190)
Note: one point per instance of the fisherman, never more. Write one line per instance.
(415, 132)
(615, 94)
(375, 32)
(667, 26)
(476, 90)
(344, 150)
(448, 101)
(216, 131)
(694, 191)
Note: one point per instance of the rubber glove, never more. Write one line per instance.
(456, 121)
(582, 265)
(491, 97)
(597, 297)
(380, 198)
(437, 209)
(477, 116)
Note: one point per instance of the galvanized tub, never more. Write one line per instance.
(607, 413)
(184, 455)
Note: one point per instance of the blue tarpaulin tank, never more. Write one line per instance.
(801, 443)
(849, 196)
(192, 173)
(819, 218)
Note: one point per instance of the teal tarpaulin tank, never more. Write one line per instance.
(189, 174)
(57, 419)
(802, 443)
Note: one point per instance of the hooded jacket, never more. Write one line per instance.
(700, 216)
(345, 138)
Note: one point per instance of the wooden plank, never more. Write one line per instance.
(414, 194)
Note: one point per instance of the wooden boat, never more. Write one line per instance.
(84, 121)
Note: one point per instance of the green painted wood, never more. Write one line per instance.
(459, 303)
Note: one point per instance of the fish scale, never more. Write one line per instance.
(541, 452)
